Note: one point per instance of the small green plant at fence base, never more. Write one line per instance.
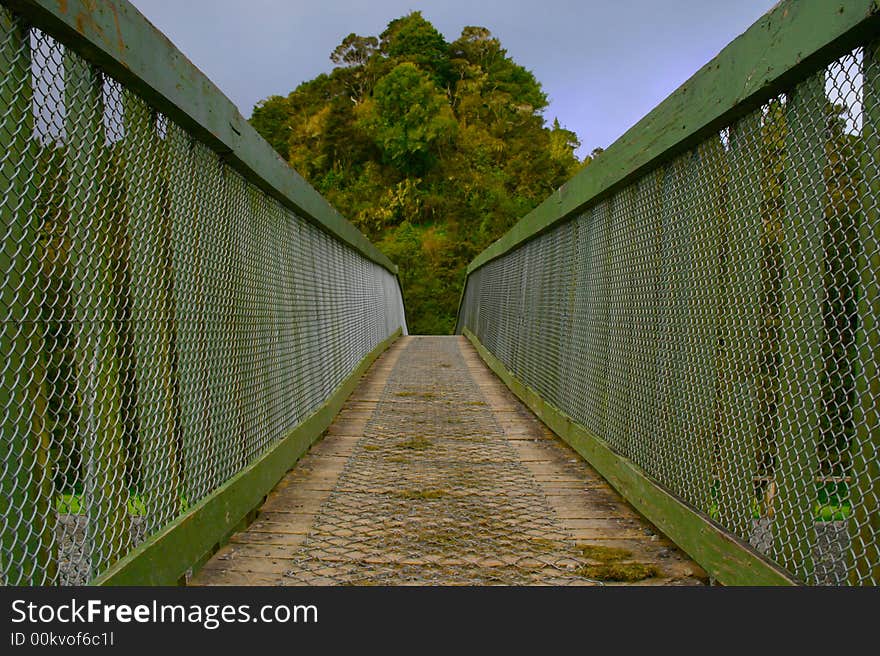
(74, 504)
(831, 503)
(69, 504)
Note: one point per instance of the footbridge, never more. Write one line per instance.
(667, 373)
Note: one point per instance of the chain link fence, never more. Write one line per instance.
(164, 321)
(716, 322)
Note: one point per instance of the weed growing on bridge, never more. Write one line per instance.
(423, 495)
(416, 443)
(544, 545)
(610, 565)
(621, 572)
(604, 554)
(423, 395)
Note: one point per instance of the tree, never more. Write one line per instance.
(563, 143)
(409, 118)
(477, 46)
(433, 149)
(354, 53)
(270, 118)
(412, 38)
(355, 50)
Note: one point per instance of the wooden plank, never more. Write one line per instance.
(166, 556)
(232, 578)
(865, 521)
(92, 236)
(27, 515)
(723, 556)
(790, 41)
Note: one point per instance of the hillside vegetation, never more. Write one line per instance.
(432, 149)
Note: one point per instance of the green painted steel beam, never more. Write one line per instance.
(26, 519)
(737, 382)
(115, 36)
(93, 231)
(147, 235)
(170, 553)
(792, 40)
(802, 329)
(723, 556)
(864, 525)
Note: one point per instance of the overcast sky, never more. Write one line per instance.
(603, 63)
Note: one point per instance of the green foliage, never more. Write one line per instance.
(408, 118)
(269, 118)
(354, 50)
(412, 38)
(433, 149)
(75, 504)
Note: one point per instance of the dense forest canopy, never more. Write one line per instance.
(432, 149)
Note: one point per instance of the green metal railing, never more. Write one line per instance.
(697, 311)
(181, 313)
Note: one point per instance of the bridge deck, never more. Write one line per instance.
(434, 473)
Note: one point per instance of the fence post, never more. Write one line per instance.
(620, 316)
(668, 415)
(737, 398)
(150, 318)
(188, 293)
(98, 378)
(569, 382)
(648, 328)
(802, 326)
(703, 235)
(209, 192)
(27, 518)
(865, 522)
(239, 358)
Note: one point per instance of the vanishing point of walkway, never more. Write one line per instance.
(435, 474)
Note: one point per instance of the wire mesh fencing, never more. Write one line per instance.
(715, 321)
(164, 320)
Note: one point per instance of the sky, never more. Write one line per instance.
(603, 63)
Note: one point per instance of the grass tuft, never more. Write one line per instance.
(616, 571)
(417, 443)
(609, 565)
(422, 495)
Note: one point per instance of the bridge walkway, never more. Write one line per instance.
(435, 474)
